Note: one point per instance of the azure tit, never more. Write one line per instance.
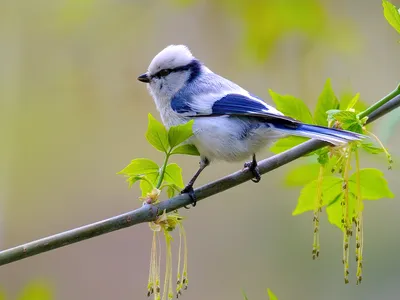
(230, 123)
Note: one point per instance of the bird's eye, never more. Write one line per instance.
(164, 72)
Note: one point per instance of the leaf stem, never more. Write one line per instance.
(381, 102)
(162, 172)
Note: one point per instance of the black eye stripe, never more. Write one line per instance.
(163, 73)
(166, 72)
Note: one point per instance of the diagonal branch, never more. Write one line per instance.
(148, 213)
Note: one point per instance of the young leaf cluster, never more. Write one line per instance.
(153, 179)
(334, 180)
(168, 176)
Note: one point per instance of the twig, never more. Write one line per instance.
(148, 213)
(384, 109)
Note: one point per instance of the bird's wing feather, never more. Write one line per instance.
(242, 105)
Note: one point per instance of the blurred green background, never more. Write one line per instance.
(72, 114)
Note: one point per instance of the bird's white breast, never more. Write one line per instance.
(219, 138)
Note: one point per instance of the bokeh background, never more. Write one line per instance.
(72, 114)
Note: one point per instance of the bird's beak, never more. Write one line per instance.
(144, 78)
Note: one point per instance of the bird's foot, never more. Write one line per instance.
(189, 190)
(253, 167)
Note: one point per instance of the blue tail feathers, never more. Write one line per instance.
(330, 135)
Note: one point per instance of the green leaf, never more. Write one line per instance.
(370, 148)
(353, 102)
(330, 113)
(392, 15)
(326, 101)
(186, 149)
(372, 183)
(331, 187)
(173, 174)
(36, 291)
(323, 156)
(2, 295)
(292, 107)
(335, 211)
(346, 99)
(345, 116)
(141, 169)
(354, 127)
(157, 135)
(286, 143)
(271, 295)
(180, 133)
(348, 120)
(302, 175)
(171, 191)
(172, 188)
(145, 186)
(140, 166)
(132, 179)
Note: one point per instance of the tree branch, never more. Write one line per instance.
(148, 213)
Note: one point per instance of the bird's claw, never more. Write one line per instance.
(189, 190)
(253, 167)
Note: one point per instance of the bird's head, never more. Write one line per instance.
(169, 71)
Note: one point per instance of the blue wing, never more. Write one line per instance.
(242, 105)
(238, 104)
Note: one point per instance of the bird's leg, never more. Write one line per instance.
(204, 162)
(253, 167)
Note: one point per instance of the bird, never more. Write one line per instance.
(230, 123)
